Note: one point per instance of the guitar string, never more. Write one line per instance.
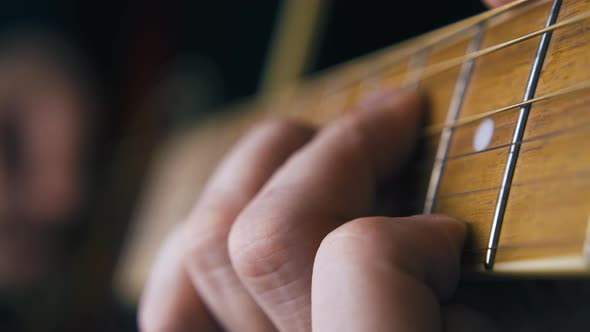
(554, 134)
(577, 174)
(325, 75)
(451, 63)
(578, 87)
(454, 62)
(425, 165)
(443, 66)
(422, 42)
(435, 129)
(446, 65)
(582, 173)
(493, 244)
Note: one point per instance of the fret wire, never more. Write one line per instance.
(402, 54)
(326, 75)
(452, 115)
(517, 137)
(577, 174)
(446, 65)
(416, 67)
(439, 39)
(435, 129)
(449, 64)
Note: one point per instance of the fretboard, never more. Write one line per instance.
(506, 145)
(508, 136)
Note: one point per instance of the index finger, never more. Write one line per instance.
(331, 180)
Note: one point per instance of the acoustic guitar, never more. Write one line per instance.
(505, 147)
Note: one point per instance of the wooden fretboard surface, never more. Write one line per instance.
(507, 141)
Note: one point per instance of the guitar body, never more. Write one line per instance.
(505, 148)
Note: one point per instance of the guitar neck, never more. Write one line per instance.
(507, 139)
(506, 145)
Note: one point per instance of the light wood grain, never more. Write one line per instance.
(567, 59)
(440, 87)
(499, 78)
(478, 209)
(394, 75)
(463, 136)
(549, 200)
(473, 173)
(468, 191)
(549, 204)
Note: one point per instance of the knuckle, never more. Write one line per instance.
(206, 238)
(257, 247)
(350, 134)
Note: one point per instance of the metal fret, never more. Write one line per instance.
(452, 115)
(415, 68)
(517, 139)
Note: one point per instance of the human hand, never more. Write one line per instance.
(278, 237)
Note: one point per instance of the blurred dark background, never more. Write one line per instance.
(230, 37)
(182, 59)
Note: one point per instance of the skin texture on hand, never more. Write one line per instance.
(260, 248)
(280, 238)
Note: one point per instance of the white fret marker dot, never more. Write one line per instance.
(483, 135)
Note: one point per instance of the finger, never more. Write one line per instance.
(332, 179)
(235, 183)
(496, 3)
(386, 274)
(169, 301)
